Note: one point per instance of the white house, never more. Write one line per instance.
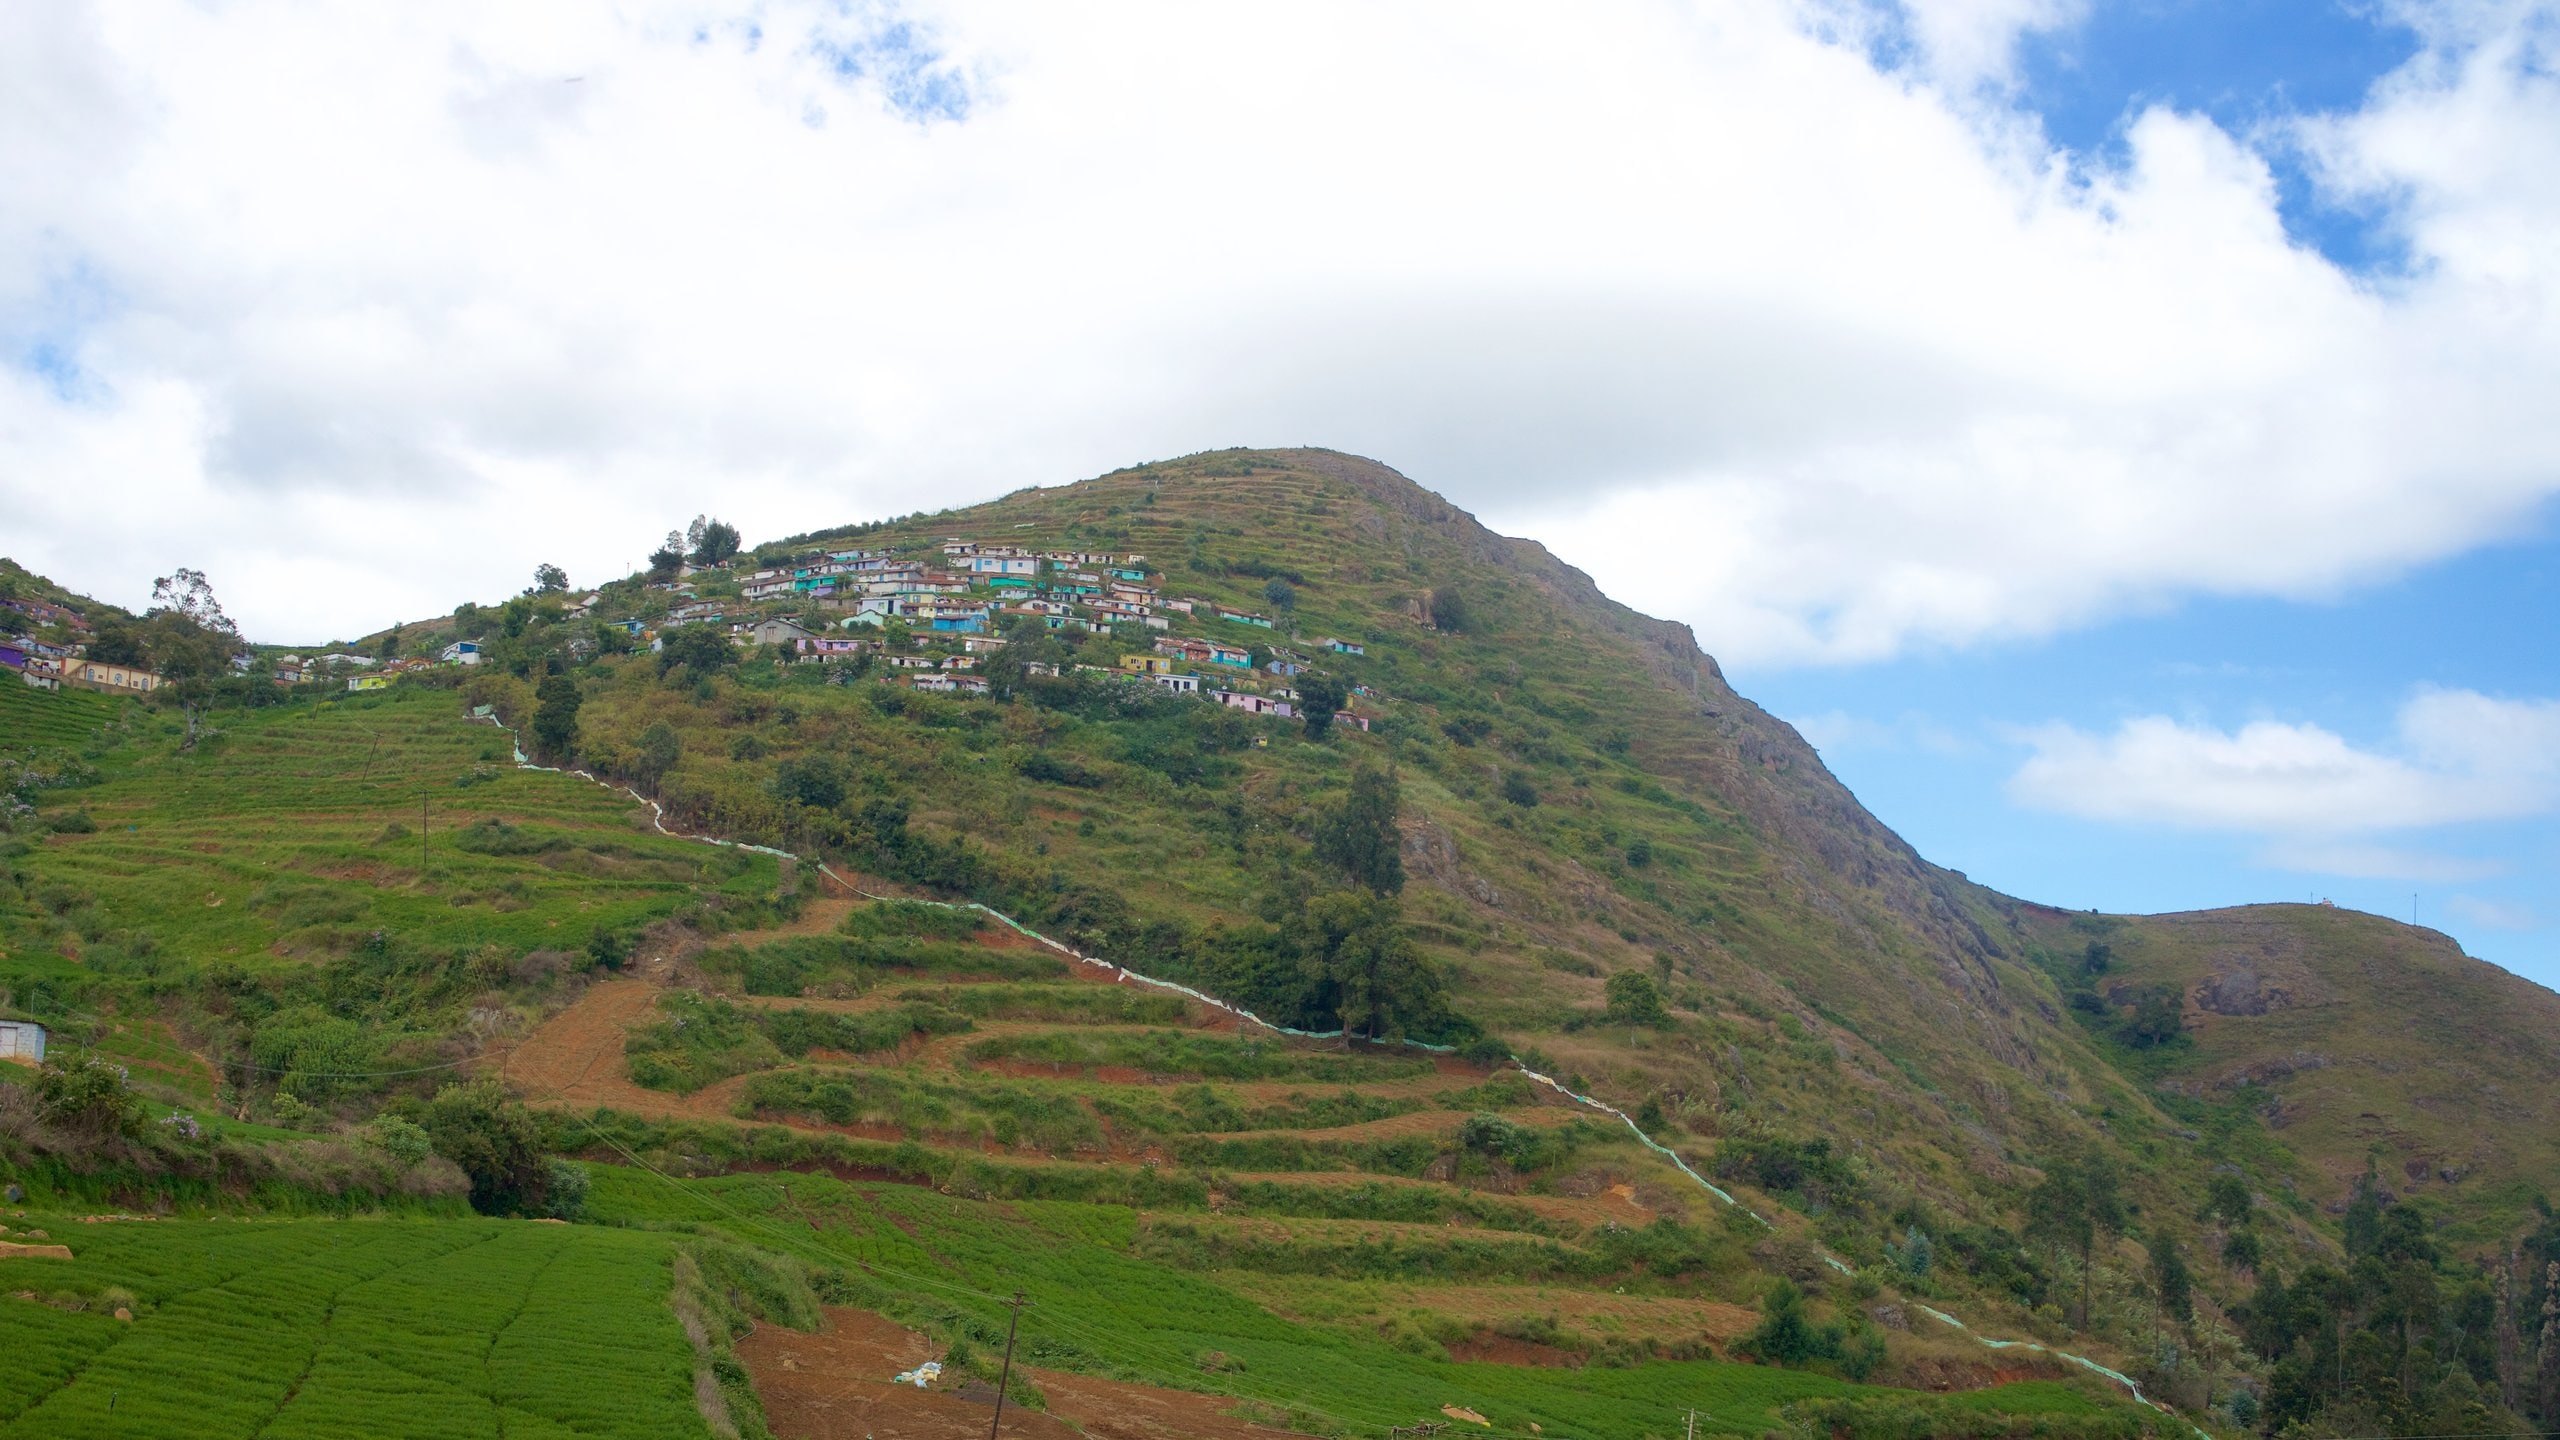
(461, 652)
(1178, 684)
(22, 1041)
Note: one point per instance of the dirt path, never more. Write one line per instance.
(835, 1386)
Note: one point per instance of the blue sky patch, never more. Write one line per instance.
(903, 61)
(2249, 65)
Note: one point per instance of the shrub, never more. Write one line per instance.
(497, 1144)
(1786, 1335)
(83, 1095)
(1635, 1000)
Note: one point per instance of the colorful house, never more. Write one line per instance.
(111, 679)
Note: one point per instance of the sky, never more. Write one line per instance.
(2117, 432)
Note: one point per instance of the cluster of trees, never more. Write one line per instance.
(704, 542)
(2406, 1339)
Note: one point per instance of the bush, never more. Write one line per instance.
(1786, 1335)
(497, 1144)
(83, 1095)
(564, 1190)
(1635, 1000)
(403, 1140)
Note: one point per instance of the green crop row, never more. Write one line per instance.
(1176, 1053)
(333, 1328)
(844, 966)
(705, 1040)
(1060, 1004)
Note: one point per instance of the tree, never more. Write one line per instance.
(700, 649)
(1320, 697)
(660, 747)
(2510, 1338)
(190, 641)
(669, 554)
(2170, 1281)
(550, 579)
(1282, 597)
(811, 780)
(1785, 1334)
(2546, 1387)
(1359, 836)
(555, 719)
(1449, 610)
(1517, 789)
(2227, 1198)
(1634, 1000)
(711, 541)
(1361, 968)
(2076, 1202)
(496, 1143)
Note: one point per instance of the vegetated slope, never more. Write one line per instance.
(330, 886)
(1582, 794)
(1625, 873)
(2356, 1040)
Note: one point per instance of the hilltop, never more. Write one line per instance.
(1540, 825)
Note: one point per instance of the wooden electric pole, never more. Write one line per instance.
(1011, 1326)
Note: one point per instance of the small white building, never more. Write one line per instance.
(22, 1041)
(461, 652)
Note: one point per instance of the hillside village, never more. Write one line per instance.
(930, 619)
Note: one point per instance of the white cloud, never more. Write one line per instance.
(2459, 756)
(2493, 914)
(2356, 860)
(1836, 730)
(366, 311)
(1972, 41)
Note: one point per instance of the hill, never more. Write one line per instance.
(1548, 829)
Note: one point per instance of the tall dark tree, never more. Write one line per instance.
(1319, 700)
(2171, 1283)
(669, 554)
(2077, 1201)
(549, 579)
(2546, 1378)
(555, 719)
(1362, 969)
(2510, 1333)
(1359, 836)
(660, 747)
(1449, 610)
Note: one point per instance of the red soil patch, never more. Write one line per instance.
(835, 1386)
(1503, 1350)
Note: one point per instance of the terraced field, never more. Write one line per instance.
(299, 831)
(1316, 1236)
(29, 716)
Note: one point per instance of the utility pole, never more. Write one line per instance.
(1693, 1425)
(1010, 1327)
(422, 835)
